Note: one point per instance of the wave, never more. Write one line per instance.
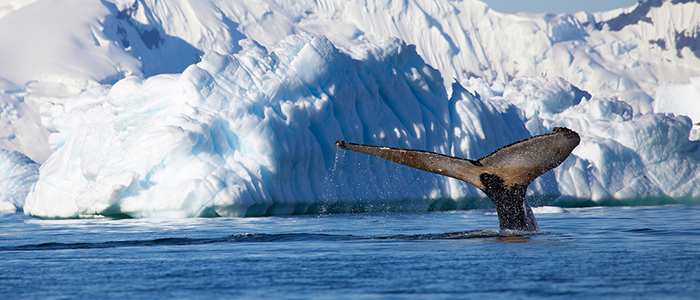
(571, 202)
(471, 234)
(506, 236)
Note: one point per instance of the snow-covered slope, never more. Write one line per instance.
(680, 98)
(131, 143)
(20, 127)
(626, 52)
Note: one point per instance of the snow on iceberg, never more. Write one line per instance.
(679, 98)
(18, 174)
(621, 52)
(623, 157)
(20, 126)
(57, 49)
(624, 52)
(253, 134)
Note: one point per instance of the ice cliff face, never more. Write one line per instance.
(254, 133)
(19, 173)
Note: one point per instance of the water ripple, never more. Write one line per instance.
(260, 238)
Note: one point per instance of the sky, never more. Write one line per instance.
(556, 6)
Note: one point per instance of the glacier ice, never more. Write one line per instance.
(65, 48)
(462, 39)
(679, 98)
(622, 156)
(253, 134)
(20, 126)
(18, 175)
(231, 108)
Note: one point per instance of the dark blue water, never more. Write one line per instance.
(611, 252)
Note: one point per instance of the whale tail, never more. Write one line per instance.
(503, 175)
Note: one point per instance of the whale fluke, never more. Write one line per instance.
(503, 175)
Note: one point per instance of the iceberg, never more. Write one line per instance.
(623, 158)
(253, 134)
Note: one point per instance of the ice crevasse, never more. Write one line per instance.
(253, 134)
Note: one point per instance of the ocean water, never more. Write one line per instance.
(585, 253)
